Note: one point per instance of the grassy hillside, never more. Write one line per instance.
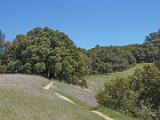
(96, 82)
(22, 97)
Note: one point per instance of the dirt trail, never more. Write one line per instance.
(96, 112)
(102, 115)
(47, 87)
(64, 98)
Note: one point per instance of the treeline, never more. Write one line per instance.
(118, 58)
(53, 54)
(137, 96)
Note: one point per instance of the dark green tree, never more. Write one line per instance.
(49, 53)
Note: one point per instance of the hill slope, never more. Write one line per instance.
(22, 97)
(96, 82)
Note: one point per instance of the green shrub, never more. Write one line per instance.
(27, 68)
(14, 66)
(137, 95)
(115, 93)
(3, 68)
(39, 67)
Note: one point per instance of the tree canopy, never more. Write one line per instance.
(46, 52)
(53, 54)
(117, 58)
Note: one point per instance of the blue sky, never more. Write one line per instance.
(87, 22)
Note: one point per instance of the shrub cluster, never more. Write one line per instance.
(137, 95)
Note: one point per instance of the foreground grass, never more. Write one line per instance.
(106, 111)
(31, 102)
(20, 105)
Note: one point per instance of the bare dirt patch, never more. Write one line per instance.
(64, 98)
(47, 87)
(102, 115)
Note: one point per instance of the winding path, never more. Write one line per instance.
(102, 115)
(64, 98)
(47, 87)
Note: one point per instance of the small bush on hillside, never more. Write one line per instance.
(115, 93)
(39, 67)
(3, 68)
(27, 68)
